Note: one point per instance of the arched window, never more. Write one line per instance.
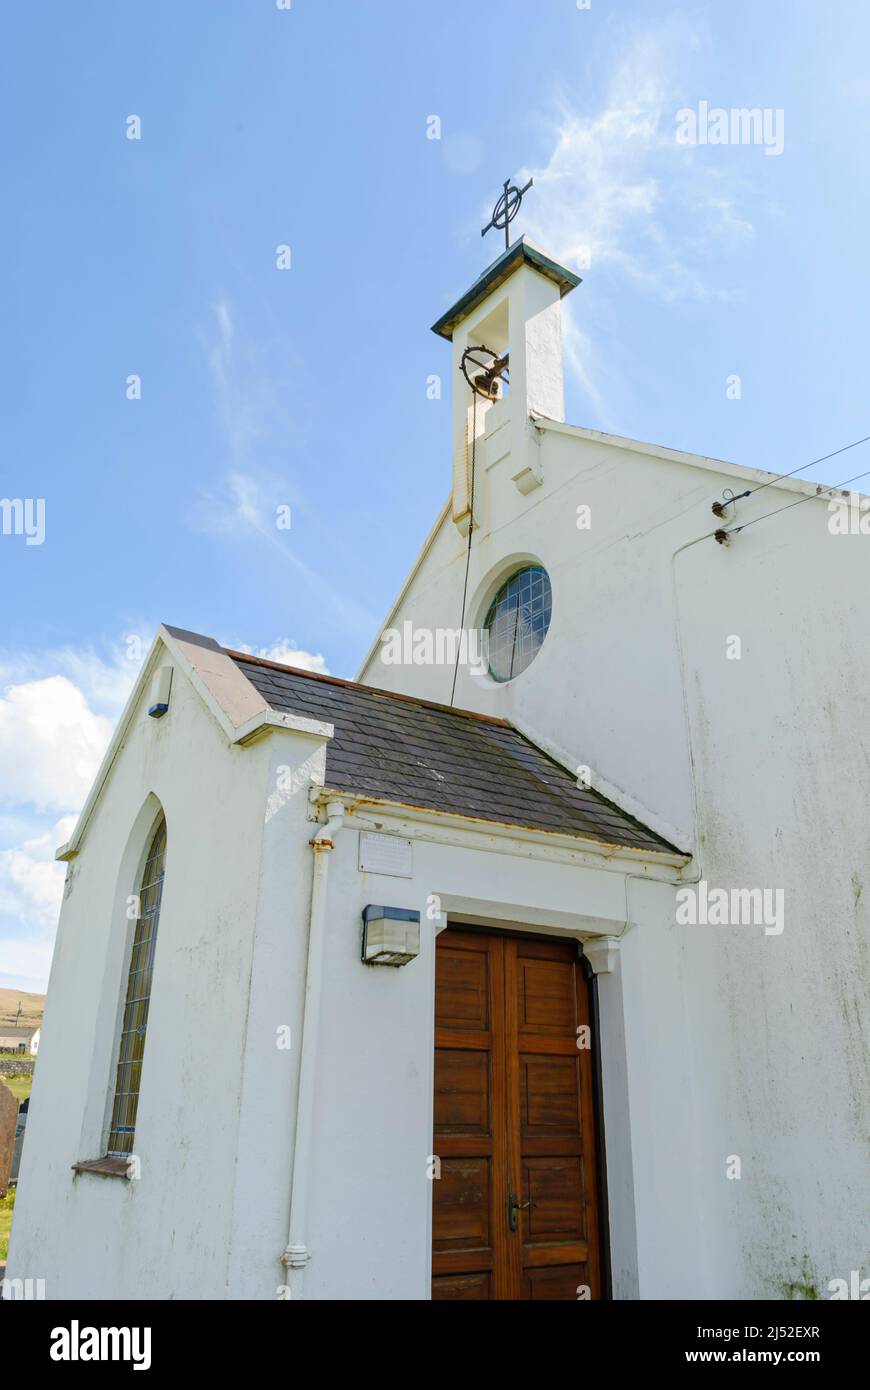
(517, 622)
(135, 1020)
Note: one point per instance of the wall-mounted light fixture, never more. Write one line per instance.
(390, 935)
(160, 688)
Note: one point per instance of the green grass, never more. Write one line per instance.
(7, 1204)
(19, 1085)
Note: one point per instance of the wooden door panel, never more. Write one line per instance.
(461, 1288)
(555, 1126)
(513, 1118)
(556, 1285)
(463, 1101)
(464, 996)
(469, 1197)
(553, 1187)
(549, 1097)
(547, 1003)
(461, 1217)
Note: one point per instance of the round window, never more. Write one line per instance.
(517, 622)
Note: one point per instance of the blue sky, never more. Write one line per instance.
(306, 387)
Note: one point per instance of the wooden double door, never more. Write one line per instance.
(515, 1208)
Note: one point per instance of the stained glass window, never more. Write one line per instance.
(135, 1021)
(517, 622)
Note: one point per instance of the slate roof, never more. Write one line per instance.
(397, 748)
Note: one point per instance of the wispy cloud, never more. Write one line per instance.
(253, 499)
(247, 507)
(618, 194)
(253, 382)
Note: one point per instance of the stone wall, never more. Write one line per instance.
(16, 1066)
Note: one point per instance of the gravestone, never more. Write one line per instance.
(8, 1119)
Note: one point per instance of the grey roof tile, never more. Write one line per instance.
(426, 755)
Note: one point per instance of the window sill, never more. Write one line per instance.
(106, 1167)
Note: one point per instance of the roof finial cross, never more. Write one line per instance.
(506, 209)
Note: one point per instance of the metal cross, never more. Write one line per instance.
(506, 209)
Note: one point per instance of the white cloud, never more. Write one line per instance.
(31, 881)
(287, 654)
(105, 681)
(57, 711)
(31, 889)
(51, 743)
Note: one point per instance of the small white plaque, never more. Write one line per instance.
(385, 854)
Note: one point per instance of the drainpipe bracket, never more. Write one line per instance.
(296, 1256)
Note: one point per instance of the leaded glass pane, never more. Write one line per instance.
(517, 622)
(135, 1020)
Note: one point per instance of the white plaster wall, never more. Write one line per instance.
(271, 1072)
(370, 1230)
(208, 1218)
(633, 680)
(781, 748)
(369, 1225)
(606, 683)
(167, 1233)
(715, 1041)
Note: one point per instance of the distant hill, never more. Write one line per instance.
(32, 1006)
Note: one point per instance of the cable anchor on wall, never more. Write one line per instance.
(728, 500)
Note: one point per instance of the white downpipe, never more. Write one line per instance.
(297, 1254)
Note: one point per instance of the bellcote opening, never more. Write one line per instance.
(514, 310)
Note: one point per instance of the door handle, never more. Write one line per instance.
(514, 1207)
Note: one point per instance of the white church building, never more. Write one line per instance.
(532, 965)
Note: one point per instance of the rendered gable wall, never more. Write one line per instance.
(168, 1232)
(757, 763)
(634, 681)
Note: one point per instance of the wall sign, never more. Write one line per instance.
(385, 854)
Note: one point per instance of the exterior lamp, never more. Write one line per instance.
(390, 935)
(160, 689)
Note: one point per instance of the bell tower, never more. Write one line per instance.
(506, 332)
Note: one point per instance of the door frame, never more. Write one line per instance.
(602, 1205)
(600, 1145)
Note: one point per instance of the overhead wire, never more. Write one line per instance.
(834, 487)
(719, 507)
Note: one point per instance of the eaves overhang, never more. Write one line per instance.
(522, 252)
(239, 709)
(506, 838)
